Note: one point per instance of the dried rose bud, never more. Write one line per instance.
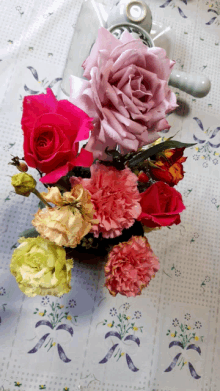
(22, 166)
(23, 184)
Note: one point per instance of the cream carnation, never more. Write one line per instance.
(70, 220)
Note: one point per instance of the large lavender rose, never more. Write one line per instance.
(127, 93)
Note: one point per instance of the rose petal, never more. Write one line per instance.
(55, 160)
(80, 122)
(98, 148)
(55, 175)
(113, 122)
(35, 104)
(84, 159)
(128, 58)
(112, 94)
(105, 40)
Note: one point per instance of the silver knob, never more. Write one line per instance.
(136, 11)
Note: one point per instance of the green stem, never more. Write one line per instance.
(53, 320)
(119, 331)
(47, 343)
(36, 192)
(179, 362)
(166, 274)
(50, 345)
(59, 320)
(119, 355)
(128, 329)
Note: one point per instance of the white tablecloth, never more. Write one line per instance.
(175, 322)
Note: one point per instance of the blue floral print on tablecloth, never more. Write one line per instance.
(214, 12)
(185, 337)
(123, 327)
(207, 144)
(54, 320)
(175, 4)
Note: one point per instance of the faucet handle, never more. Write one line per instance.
(194, 84)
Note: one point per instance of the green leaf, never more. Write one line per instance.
(151, 164)
(168, 144)
(112, 152)
(29, 233)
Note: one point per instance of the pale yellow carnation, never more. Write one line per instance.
(41, 268)
(70, 220)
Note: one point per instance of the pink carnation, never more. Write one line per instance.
(115, 197)
(130, 267)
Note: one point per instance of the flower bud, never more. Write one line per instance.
(23, 184)
(142, 177)
(22, 167)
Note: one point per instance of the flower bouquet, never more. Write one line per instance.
(103, 197)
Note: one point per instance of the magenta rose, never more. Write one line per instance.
(52, 131)
(127, 93)
(161, 206)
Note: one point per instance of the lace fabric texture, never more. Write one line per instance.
(167, 338)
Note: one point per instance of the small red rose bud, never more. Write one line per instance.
(142, 177)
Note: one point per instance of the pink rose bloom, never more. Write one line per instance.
(52, 131)
(130, 267)
(127, 93)
(115, 197)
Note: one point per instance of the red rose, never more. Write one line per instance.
(52, 131)
(170, 168)
(161, 206)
